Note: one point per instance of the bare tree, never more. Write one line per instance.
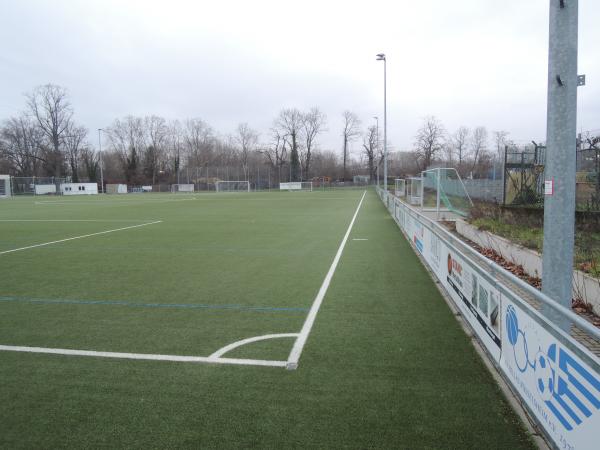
(313, 123)
(351, 131)
(247, 140)
(127, 138)
(157, 134)
(501, 140)
(460, 142)
(373, 154)
(326, 164)
(50, 108)
(73, 141)
(276, 152)
(175, 148)
(22, 144)
(429, 141)
(91, 163)
(199, 140)
(289, 124)
(479, 143)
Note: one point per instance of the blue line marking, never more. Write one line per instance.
(150, 305)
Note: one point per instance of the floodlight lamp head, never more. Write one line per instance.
(381, 57)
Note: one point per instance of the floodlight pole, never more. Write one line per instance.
(100, 130)
(377, 145)
(560, 166)
(381, 57)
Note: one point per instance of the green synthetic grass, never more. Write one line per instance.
(386, 364)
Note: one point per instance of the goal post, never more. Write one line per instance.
(296, 186)
(182, 188)
(5, 191)
(400, 188)
(232, 186)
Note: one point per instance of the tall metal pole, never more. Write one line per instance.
(381, 57)
(385, 152)
(559, 183)
(377, 145)
(101, 160)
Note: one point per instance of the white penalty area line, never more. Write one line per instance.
(76, 220)
(111, 202)
(78, 237)
(144, 356)
(294, 357)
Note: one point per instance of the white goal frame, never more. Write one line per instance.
(296, 186)
(400, 187)
(5, 186)
(187, 188)
(232, 186)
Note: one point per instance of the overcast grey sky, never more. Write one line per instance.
(468, 62)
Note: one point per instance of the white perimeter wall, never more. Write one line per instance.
(290, 186)
(79, 188)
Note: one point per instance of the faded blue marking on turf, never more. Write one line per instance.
(150, 305)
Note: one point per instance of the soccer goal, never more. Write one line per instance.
(4, 186)
(232, 186)
(296, 186)
(442, 190)
(414, 190)
(182, 188)
(400, 189)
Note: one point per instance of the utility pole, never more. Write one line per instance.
(377, 145)
(559, 176)
(381, 57)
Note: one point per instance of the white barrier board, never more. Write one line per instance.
(293, 186)
(560, 389)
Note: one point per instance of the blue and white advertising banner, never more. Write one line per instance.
(559, 388)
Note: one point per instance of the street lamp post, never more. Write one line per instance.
(381, 57)
(100, 130)
(377, 146)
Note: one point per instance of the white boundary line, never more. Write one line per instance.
(143, 356)
(292, 362)
(111, 203)
(75, 220)
(78, 237)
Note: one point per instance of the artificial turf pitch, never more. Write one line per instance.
(385, 366)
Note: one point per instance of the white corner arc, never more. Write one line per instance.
(219, 353)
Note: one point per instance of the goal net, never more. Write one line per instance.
(400, 189)
(296, 186)
(182, 188)
(444, 190)
(4, 186)
(414, 190)
(232, 186)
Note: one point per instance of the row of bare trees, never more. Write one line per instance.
(45, 140)
(465, 149)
